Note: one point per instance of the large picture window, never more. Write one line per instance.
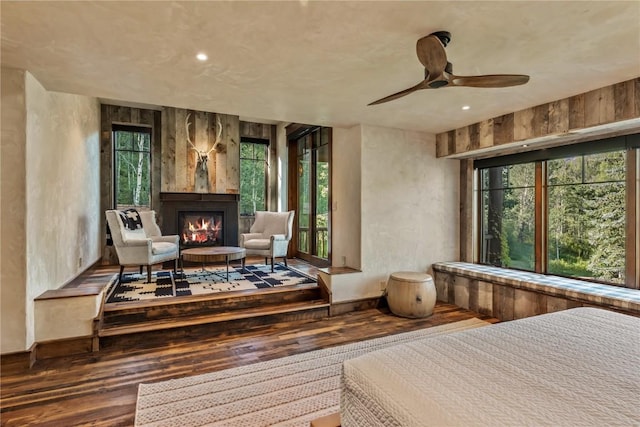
(253, 176)
(132, 166)
(586, 216)
(508, 201)
(570, 211)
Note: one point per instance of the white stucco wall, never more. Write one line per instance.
(63, 185)
(60, 199)
(409, 209)
(13, 262)
(345, 195)
(66, 317)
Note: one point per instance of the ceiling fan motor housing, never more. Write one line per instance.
(443, 36)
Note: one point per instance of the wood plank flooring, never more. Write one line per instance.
(100, 389)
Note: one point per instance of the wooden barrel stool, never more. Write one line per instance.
(411, 294)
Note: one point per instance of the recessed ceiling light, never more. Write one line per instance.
(202, 57)
(465, 107)
(525, 145)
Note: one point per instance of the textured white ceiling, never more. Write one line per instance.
(321, 62)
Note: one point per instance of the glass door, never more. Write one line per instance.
(310, 150)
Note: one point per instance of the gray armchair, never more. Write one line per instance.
(269, 235)
(142, 246)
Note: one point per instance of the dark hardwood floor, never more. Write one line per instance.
(100, 389)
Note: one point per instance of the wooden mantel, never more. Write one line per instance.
(609, 111)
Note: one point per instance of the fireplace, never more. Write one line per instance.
(200, 228)
(201, 219)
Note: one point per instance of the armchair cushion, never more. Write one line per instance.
(263, 244)
(269, 235)
(158, 248)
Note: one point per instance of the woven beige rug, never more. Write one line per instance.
(290, 391)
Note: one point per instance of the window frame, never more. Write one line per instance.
(139, 128)
(628, 143)
(266, 162)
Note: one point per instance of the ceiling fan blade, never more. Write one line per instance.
(491, 80)
(431, 54)
(421, 85)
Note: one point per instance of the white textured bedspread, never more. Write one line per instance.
(579, 367)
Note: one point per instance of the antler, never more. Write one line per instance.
(186, 125)
(218, 146)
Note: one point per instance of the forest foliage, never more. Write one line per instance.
(132, 168)
(585, 216)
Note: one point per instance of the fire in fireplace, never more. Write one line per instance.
(200, 228)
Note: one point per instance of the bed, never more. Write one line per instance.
(579, 367)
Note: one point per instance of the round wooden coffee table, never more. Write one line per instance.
(211, 254)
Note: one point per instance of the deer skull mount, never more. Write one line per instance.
(203, 156)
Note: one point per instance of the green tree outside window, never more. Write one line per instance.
(132, 167)
(253, 177)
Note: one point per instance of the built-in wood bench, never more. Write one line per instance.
(512, 294)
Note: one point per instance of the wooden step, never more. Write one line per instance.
(205, 305)
(319, 308)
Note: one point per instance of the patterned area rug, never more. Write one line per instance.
(290, 391)
(194, 281)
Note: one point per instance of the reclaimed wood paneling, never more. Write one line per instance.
(442, 144)
(200, 176)
(624, 95)
(602, 106)
(168, 152)
(215, 132)
(527, 303)
(156, 163)
(254, 130)
(486, 133)
(500, 301)
(451, 291)
(440, 281)
(463, 142)
(221, 160)
(180, 171)
(461, 291)
(558, 117)
(473, 295)
(117, 114)
(503, 129)
(485, 297)
(480, 296)
(466, 210)
(503, 302)
(232, 140)
(182, 150)
(272, 193)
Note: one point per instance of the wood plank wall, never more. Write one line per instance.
(110, 114)
(267, 132)
(173, 160)
(179, 172)
(603, 106)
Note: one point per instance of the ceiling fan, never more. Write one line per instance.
(438, 72)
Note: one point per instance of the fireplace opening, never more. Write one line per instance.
(201, 229)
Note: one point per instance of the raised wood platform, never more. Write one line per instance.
(141, 323)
